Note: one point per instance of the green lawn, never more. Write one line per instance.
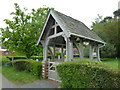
(113, 63)
(0, 69)
(21, 77)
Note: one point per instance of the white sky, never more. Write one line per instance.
(82, 10)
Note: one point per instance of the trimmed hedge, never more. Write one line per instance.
(35, 67)
(4, 61)
(40, 58)
(16, 57)
(87, 74)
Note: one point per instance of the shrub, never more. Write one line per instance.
(35, 67)
(4, 61)
(87, 74)
(16, 57)
(20, 65)
(40, 58)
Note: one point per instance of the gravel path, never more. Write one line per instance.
(37, 84)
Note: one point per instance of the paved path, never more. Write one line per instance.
(37, 84)
(7, 84)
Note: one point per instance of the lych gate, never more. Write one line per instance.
(65, 33)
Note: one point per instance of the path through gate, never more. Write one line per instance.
(52, 72)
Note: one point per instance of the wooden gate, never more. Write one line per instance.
(52, 72)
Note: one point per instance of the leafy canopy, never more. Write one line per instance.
(108, 29)
(22, 32)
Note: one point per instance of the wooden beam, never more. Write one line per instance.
(57, 43)
(55, 29)
(54, 26)
(56, 35)
(43, 28)
(45, 49)
(97, 52)
(69, 49)
(92, 49)
(80, 49)
(62, 26)
(90, 52)
(62, 55)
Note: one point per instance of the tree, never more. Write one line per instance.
(108, 29)
(116, 13)
(22, 32)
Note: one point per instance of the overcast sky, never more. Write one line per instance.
(82, 10)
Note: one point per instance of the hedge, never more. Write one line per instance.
(39, 58)
(87, 74)
(16, 57)
(35, 67)
(4, 61)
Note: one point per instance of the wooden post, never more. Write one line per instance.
(62, 56)
(90, 51)
(81, 50)
(78, 48)
(67, 49)
(45, 50)
(55, 29)
(71, 50)
(97, 52)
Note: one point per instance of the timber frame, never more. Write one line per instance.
(63, 32)
(58, 32)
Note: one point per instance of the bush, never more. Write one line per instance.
(16, 57)
(4, 61)
(109, 51)
(20, 65)
(77, 55)
(40, 58)
(87, 74)
(35, 67)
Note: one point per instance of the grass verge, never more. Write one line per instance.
(0, 69)
(21, 77)
(111, 62)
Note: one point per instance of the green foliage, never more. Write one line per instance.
(108, 29)
(22, 32)
(0, 69)
(39, 58)
(57, 53)
(108, 51)
(87, 74)
(117, 13)
(111, 62)
(4, 60)
(86, 51)
(20, 65)
(35, 67)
